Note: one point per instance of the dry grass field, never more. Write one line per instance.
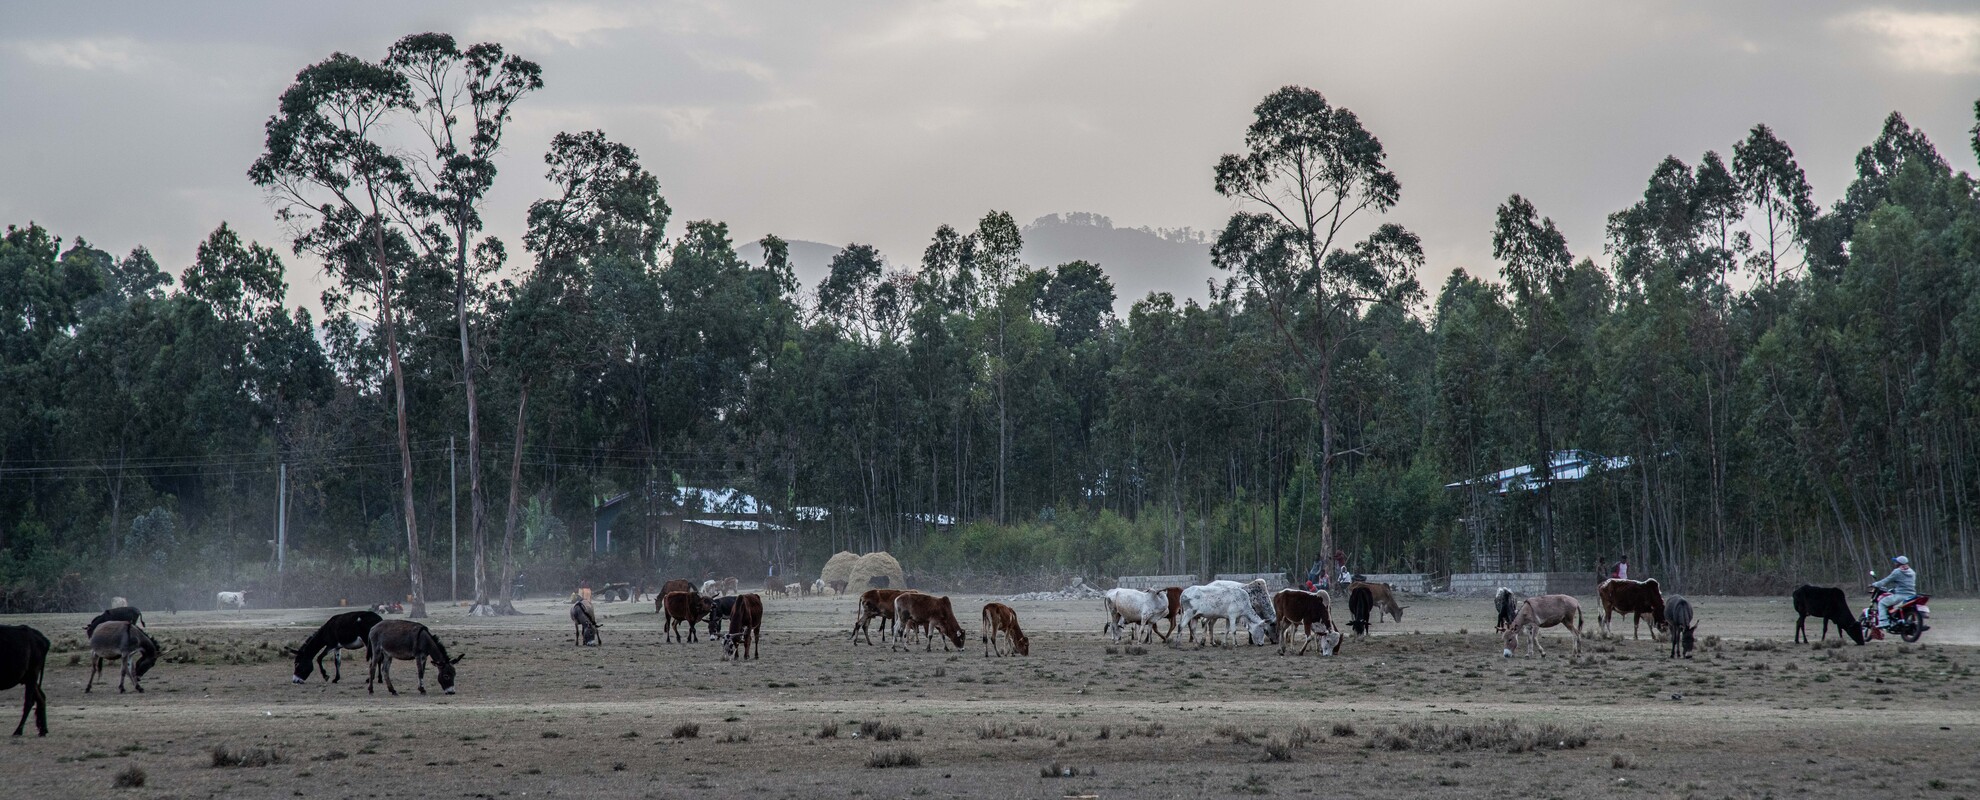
(1423, 708)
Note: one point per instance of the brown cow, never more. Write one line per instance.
(675, 585)
(1384, 596)
(687, 607)
(773, 585)
(745, 629)
(730, 585)
(876, 603)
(1544, 611)
(837, 587)
(926, 612)
(1624, 596)
(997, 618)
(1298, 608)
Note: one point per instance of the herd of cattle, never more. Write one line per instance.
(119, 633)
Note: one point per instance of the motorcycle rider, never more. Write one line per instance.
(1900, 585)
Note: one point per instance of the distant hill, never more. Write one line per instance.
(1138, 260)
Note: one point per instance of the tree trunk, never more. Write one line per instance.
(417, 609)
(477, 503)
(508, 604)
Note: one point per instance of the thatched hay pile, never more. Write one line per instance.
(839, 568)
(876, 565)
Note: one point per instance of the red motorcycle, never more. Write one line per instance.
(1907, 618)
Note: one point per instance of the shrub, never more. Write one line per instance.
(248, 757)
(879, 732)
(687, 730)
(131, 778)
(882, 759)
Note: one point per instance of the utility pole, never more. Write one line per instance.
(454, 519)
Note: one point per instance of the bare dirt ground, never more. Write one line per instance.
(1423, 708)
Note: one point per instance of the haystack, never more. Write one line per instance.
(876, 565)
(839, 568)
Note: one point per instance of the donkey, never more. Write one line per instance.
(350, 630)
(1677, 611)
(1544, 611)
(23, 660)
(585, 619)
(124, 613)
(127, 643)
(405, 640)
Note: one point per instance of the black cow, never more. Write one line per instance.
(23, 659)
(1831, 605)
(119, 614)
(350, 630)
(719, 609)
(1360, 603)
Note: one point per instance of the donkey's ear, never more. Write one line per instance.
(457, 659)
(288, 651)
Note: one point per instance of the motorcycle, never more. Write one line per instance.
(1907, 619)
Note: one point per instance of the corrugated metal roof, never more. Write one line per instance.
(1568, 465)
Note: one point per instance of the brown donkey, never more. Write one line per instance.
(405, 640)
(127, 643)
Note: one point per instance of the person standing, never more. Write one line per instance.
(1621, 570)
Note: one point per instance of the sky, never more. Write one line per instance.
(875, 122)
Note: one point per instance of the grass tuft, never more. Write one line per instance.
(131, 778)
(1503, 736)
(687, 730)
(224, 756)
(883, 759)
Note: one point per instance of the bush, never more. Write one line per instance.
(131, 778)
(879, 732)
(1504, 736)
(247, 757)
(882, 759)
(687, 730)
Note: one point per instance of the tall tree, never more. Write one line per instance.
(1537, 262)
(1773, 184)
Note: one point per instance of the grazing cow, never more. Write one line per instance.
(793, 589)
(877, 603)
(350, 630)
(1361, 601)
(116, 614)
(229, 600)
(1000, 618)
(773, 586)
(1544, 611)
(1296, 608)
(731, 586)
(1678, 611)
(711, 588)
(719, 610)
(1126, 607)
(584, 619)
(675, 585)
(1624, 596)
(1174, 595)
(405, 640)
(127, 643)
(681, 607)
(23, 661)
(1226, 600)
(1384, 596)
(929, 614)
(1507, 602)
(837, 587)
(745, 629)
(1831, 605)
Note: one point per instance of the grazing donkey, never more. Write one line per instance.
(1677, 611)
(124, 613)
(127, 643)
(585, 619)
(350, 630)
(1544, 611)
(23, 660)
(405, 640)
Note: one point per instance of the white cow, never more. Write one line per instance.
(1126, 607)
(793, 589)
(711, 588)
(119, 602)
(230, 600)
(818, 586)
(1230, 601)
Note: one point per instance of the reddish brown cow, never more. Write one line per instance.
(927, 613)
(731, 585)
(1298, 608)
(682, 607)
(1000, 618)
(675, 585)
(1622, 596)
(876, 603)
(1384, 596)
(745, 629)
(1174, 594)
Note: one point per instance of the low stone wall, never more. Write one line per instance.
(1526, 583)
(1413, 582)
(1274, 581)
(1148, 582)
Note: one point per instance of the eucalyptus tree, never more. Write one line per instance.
(1312, 169)
(1537, 261)
(1773, 185)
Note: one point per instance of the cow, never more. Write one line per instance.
(229, 600)
(23, 663)
(126, 643)
(1678, 611)
(719, 611)
(1544, 611)
(1000, 618)
(1296, 608)
(1174, 595)
(119, 602)
(1225, 600)
(837, 587)
(117, 614)
(793, 589)
(584, 619)
(1506, 602)
(675, 585)
(1831, 605)
(681, 609)
(350, 630)
(771, 585)
(406, 640)
(877, 603)
(711, 588)
(1384, 596)
(731, 586)
(928, 613)
(745, 634)
(1126, 607)
(1624, 596)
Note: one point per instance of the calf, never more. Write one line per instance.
(117, 614)
(126, 643)
(1295, 608)
(681, 607)
(877, 603)
(1623, 596)
(745, 629)
(350, 630)
(585, 620)
(1544, 611)
(229, 600)
(929, 614)
(1225, 600)
(1384, 596)
(1361, 601)
(23, 663)
(1831, 605)
(1506, 602)
(1000, 618)
(405, 640)
(1678, 611)
(1126, 607)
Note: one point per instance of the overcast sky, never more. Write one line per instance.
(877, 121)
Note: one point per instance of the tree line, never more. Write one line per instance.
(1751, 392)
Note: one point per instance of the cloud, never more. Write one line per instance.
(549, 26)
(89, 55)
(1917, 41)
(981, 19)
